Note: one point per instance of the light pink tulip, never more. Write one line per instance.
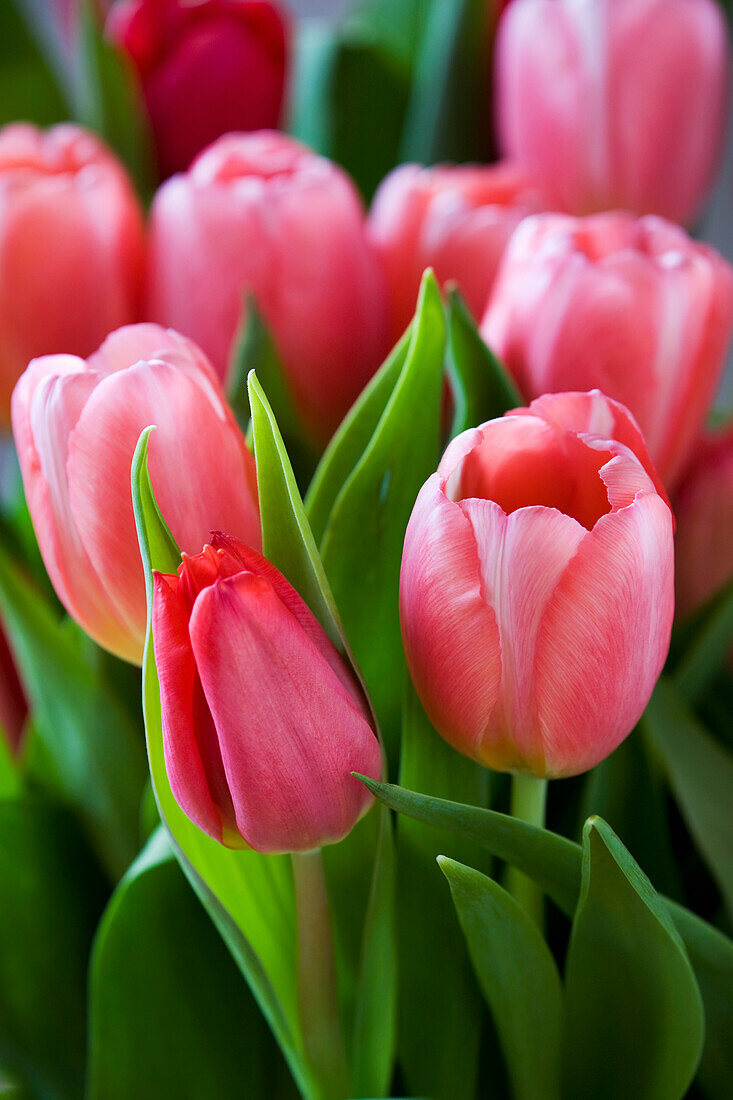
(615, 103)
(76, 425)
(453, 218)
(536, 595)
(71, 243)
(632, 306)
(263, 722)
(261, 213)
(704, 508)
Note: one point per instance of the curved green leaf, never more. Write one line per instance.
(634, 1021)
(707, 643)
(518, 976)
(158, 970)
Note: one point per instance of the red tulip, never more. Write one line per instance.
(455, 219)
(13, 704)
(206, 68)
(70, 247)
(76, 425)
(263, 722)
(632, 306)
(536, 595)
(262, 213)
(704, 507)
(615, 103)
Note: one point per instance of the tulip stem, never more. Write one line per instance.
(529, 797)
(320, 1018)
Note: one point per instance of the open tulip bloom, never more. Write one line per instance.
(366, 569)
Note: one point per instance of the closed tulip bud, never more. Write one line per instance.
(71, 244)
(453, 218)
(262, 213)
(704, 509)
(536, 594)
(76, 425)
(263, 721)
(615, 103)
(633, 306)
(206, 68)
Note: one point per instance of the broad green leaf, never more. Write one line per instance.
(352, 438)
(95, 749)
(52, 894)
(447, 116)
(10, 782)
(518, 976)
(707, 639)
(629, 791)
(634, 1023)
(700, 773)
(29, 88)
(249, 896)
(362, 543)
(482, 388)
(350, 866)
(438, 1051)
(555, 865)
(169, 1012)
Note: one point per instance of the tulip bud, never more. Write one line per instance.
(633, 306)
(704, 507)
(536, 594)
(615, 103)
(206, 68)
(70, 247)
(76, 425)
(261, 213)
(455, 219)
(263, 721)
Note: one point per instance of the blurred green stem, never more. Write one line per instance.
(320, 1019)
(529, 797)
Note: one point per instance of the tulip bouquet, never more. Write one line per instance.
(366, 552)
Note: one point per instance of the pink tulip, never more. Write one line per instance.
(206, 68)
(455, 219)
(70, 247)
(632, 306)
(262, 213)
(536, 595)
(263, 722)
(615, 103)
(704, 507)
(76, 425)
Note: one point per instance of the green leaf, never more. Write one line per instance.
(708, 640)
(29, 89)
(362, 542)
(634, 1021)
(700, 773)
(249, 896)
(438, 1051)
(164, 987)
(52, 893)
(10, 782)
(482, 387)
(518, 977)
(109, 98)
(555, 865)
(96, 750)
(351, 865)
(447, 116)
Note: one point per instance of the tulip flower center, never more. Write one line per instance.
(523, 462)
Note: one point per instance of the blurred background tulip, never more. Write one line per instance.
(536, 595)
(261, 213)
(615, 103)
(632, 306)
(205, 68)
(71, 244)
(453, 218)
(273, 774)
(704, 509)
(13, 703)
(76, 424)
